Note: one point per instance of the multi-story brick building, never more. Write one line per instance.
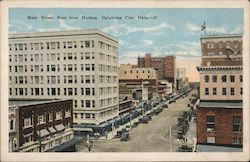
(80, 65)
(131, 78)
(219, 113)
(165, 66)
(41, 126)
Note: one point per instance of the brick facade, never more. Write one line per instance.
(165, 66)
(223, 132)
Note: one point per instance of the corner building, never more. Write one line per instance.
(79, 65)
(219, 113)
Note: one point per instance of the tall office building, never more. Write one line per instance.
(165, 66)
(80, 65)
(219, 115)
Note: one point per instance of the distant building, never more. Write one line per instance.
(126, 105)
(181, 80)
(80, 65)
(131, 79)
(41, 126)
(164, 88)
(128, 71)
(219, 113)
(165, 66)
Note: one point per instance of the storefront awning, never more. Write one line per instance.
(52, 130)
(43, 133)
(65, 145)
(60, 127)
(27, 135)
(83, 129)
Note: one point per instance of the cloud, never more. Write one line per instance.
(209, 29)
(62, 26)
(147, 42)
(26, 26)
(237, 29)
(122, 29)
(130, 57)
(123, 43)
(65, 26)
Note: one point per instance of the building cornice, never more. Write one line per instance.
(218, 68)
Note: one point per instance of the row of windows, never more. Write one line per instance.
(41, 119)
(57, 79)
(66, 91)
(60, 45)
(84, 116)
(85, 103)
(224, 78)
(107, 68)
(228, 44)
(133, 71)
(223, 92)
(236, 120)
(57, 68)
(57, 57)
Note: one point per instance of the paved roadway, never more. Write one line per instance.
(150, 137)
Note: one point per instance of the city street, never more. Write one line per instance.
(150, 137)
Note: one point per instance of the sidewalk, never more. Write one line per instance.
(191, 134)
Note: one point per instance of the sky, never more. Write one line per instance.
(170, 31)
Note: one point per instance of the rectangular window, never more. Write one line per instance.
(87, 44)
(87, 67)
(87, 103)
(58, 115)
(224, 91)
(241, 91)
(70, 79)
(224, 78)
(206, 78)
(41, 119)
(93, 67)
(87, 55)
(87, 78)
(93, 103)
(232, 91)
(214, 91)
(206, 91)
(53, 91)
(27, 122)
(82, 103)
(70, 57)
(87, 116)
(87, 91)
(241, 78)
(237, 126)
(70, 67)
(210, 123)
(75, 91)
(58, 91)
(214, 78)
(232, 78)
(70, 91)
(75, 103)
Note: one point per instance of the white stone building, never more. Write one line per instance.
(80, 65)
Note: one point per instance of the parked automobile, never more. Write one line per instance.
(125, 136)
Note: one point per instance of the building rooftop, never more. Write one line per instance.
(221, 104)
(25, 102)
(217, 35)
(62, 33)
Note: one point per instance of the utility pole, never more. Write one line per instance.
(170, 140)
